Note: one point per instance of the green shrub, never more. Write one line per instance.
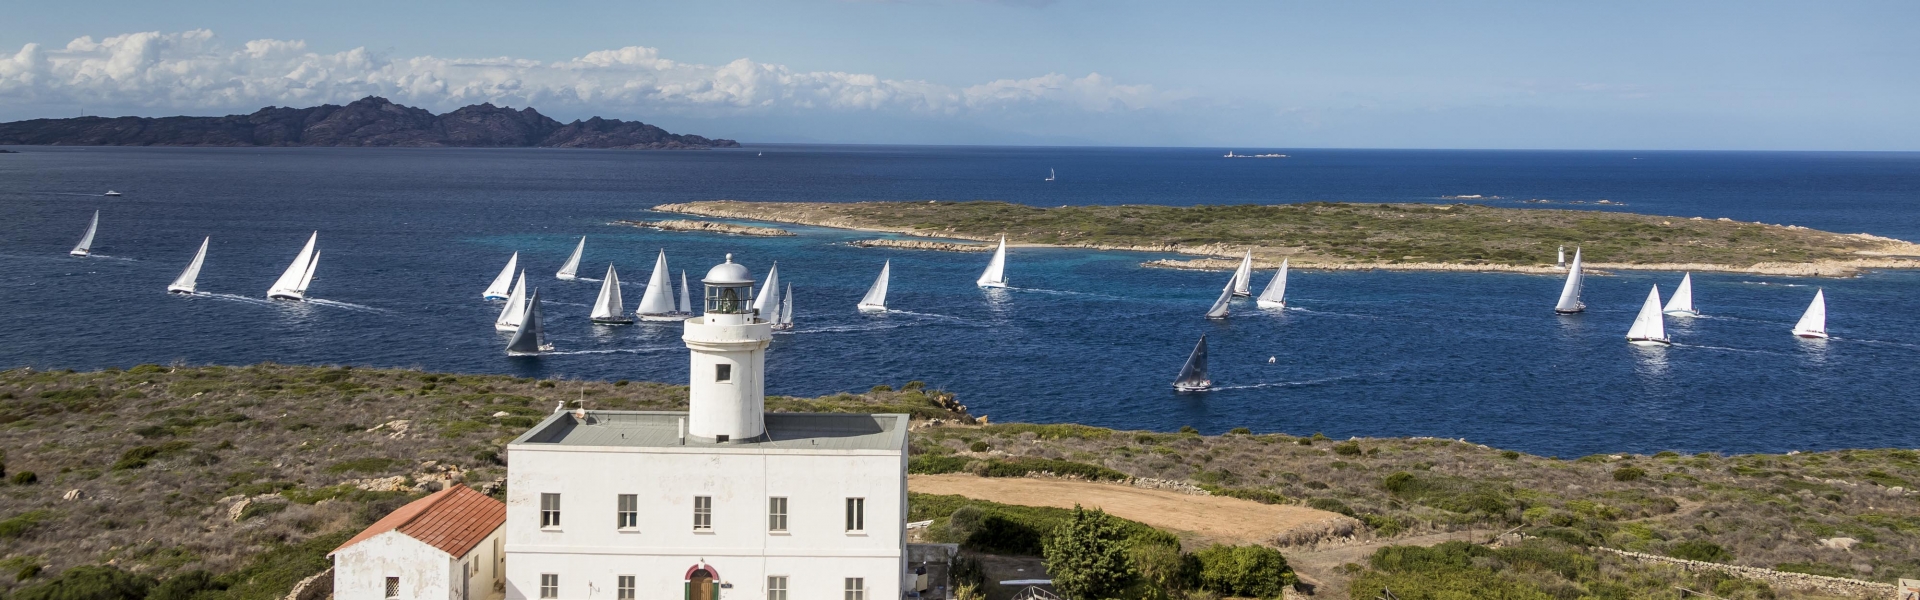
(1347, 449)
(1240, 431)
(928, 464)
(261, 509)
(1261, 496)
(1700, 550)
(1020, 467)
(372, 464)
(1330, 505)
(30, 571)
(1383, 525)
(24, 478)
(1509, 455)
(996, 528)
(979, 446)
(1449, 493)
(1188, 429)
(1087, 556)
(881, 388)
(1629, 474)
(1058, 431)
(89, 583)
(621, 383)
(1244, 571)
(1666, 454)
(185, 585)
(140, 456)
(18, 525)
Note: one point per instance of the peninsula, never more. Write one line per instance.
(369, 121)
(233, 483)
(1328, 235)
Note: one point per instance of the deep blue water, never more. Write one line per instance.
(410, 237)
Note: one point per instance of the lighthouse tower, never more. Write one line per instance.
(726, 391)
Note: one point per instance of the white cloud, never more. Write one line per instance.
(194, 71)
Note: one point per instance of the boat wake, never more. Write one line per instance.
(1878, 343)
(350, 306)
(103, 256)
(1063, 293)
(1726, 349)
(1772, 283)
(614, 351)
(1283, 384)
(234, 298)
(1327, 312)
(564, 303)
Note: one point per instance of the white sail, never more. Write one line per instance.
(1050, 175)
(876, 298)
(1570, 293)
(292, 284)
(1275, 296)
(657, 301)
(608, 308)
(1813, 323)
(516, 307)
(572, 268)
(185, 283)
(85, 246)
(996, 273)
(1219, 310)
(786, 309)
(1243, 277)
(503, 283)
(766, 299)
(1649, 327)
(686, 299)
(306, 280)
(1681, 304)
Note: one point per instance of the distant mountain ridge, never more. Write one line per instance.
(369, 121)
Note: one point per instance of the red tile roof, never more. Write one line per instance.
(454, 520)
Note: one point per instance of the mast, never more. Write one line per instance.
(292, 284)
(1813, 323)
(502, 283)
(568, 271)
(1570, 293)
(1649, 327)
(996, 273)
(185, 283)
(516, 307)
(85, 246)
(876, 298)
(1275, 296)
(529, 337)
(1681, 304)
(1243, 276)
(1193, 374)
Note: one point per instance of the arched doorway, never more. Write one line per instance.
(700, 585)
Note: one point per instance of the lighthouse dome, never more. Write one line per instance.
(728, 274)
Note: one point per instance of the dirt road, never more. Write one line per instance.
(1205, 518)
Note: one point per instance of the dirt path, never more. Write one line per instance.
(1206, 518)
(1320, 566)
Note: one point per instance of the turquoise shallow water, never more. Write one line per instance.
(410, 237)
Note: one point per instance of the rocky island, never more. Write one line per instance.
(370, 121)
(707, 227)
(1331, 235)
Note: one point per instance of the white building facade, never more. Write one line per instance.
(446, 546)
(722, 502)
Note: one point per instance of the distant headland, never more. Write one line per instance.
(367, 122)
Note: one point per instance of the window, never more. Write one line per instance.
(623, 588)
(856, 588)
(777, 587)
(776, 514)
(723, 373)
(549, 510)
(703, 513)
(393, 587)
(628, 516)
(856, 514)
(549, 585)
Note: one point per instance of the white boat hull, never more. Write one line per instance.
(1650, 342)
(1682, 313)
(546, 348)
(1812, 335)
(294, 296)
(1570, 312)
(180, 290)
(1271, 304)
(783, 327)
(993, 284)
(871, 308)
(79, 253)
(1193, 387)
(565, 277)
(612, 321)
(665, 318)
(494, 298)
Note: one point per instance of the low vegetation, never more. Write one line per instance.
(1330, 233)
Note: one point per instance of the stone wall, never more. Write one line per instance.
(1798, 581)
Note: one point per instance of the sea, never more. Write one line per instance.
(409, 238)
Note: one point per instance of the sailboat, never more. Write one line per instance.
(1649, 327)
(783, 315)
(1681, 304)
(996, 274)
(85, 246)
(111, 194)
(1050, 176)
(1193, 375)
(1243, 277)
(760, 301)
(292, 284)
(184, 284)
(686, 301)
(1813, 324)
(656, 304)
(572, 267)
(503, 283)
(608, 309)
(1570, 293)
(1275, 296)
(876, 298)
(1219, 309)
(516, 307)
(530, 338)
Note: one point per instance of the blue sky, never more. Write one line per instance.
(1640, 75)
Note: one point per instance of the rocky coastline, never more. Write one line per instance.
(920, 245)
(707, 227)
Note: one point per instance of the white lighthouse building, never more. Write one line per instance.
(722, 502)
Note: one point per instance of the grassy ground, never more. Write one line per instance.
(1333, 233)
(161, 457)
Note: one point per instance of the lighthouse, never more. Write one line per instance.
(726, 389)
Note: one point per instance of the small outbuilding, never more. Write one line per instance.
(446, 546)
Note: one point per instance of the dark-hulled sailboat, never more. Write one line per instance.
(1193, 375)
(530, 338)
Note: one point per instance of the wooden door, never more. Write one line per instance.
(700, 586)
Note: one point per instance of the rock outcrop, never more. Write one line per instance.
(707, 227)
(369, 121)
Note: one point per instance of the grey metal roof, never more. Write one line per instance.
(660, 429)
